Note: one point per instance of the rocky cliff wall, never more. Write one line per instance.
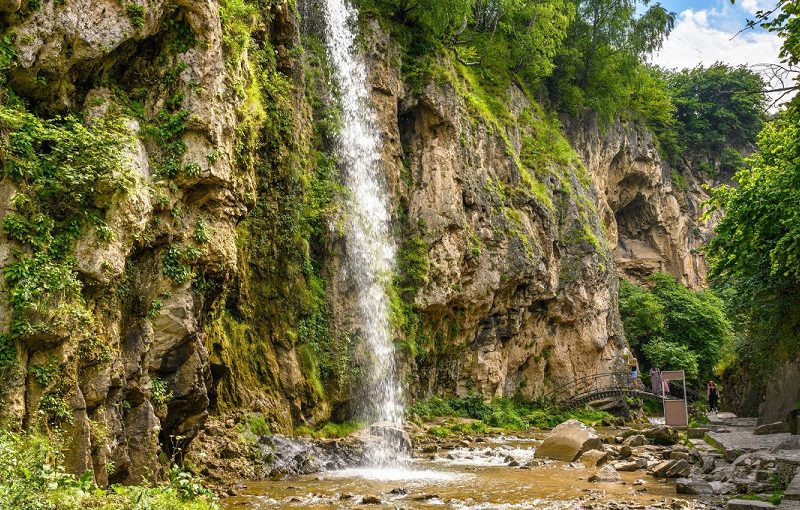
(199, 268)
(652, 213)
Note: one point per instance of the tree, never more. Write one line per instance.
(674, 327)
(604, 53)
(719, 113)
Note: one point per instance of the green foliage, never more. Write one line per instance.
(176, 263)
(67, 173)
(674, 327)
(32, 477)
(642, 313)
(159, 394)
(505, 413)
(755, 254)
(332, 429)
(601, 66)
(136, 14)
(719, 111)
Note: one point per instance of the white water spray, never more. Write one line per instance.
(370, 251)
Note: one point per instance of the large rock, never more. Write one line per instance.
(594, 458)
(777, 427)
(568, 441)
(662, 435)
(636, 440)
(392, 434)
(782, 393)
(672, 469)
(748, 504)
(695, 486)
(606, 474)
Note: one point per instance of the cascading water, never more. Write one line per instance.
(370, 251)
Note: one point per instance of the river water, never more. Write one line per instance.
(476, 477)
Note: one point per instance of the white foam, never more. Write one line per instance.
(388, 474)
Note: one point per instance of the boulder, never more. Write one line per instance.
(606, 474)
(392, 434)
(594, 458)
(747, 504)
(791, 443)
(568, 441)
(662, 435)
(678, 456)
(722, 487)
(695, 486)
(672, 469)
(636, 440)
(697, 433)
(709, 463)
(776, 427)
(631, 465)
(625, 452)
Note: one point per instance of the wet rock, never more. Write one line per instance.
(678, 456)
(399, 491)
(636, 440)
(606, 474)
(391, 433)
(694, 486)
(672, 469)
(631, 465)
(708, 465)
(662, 435)
(747, 504)
(370, 500)
(679, 504)
(594, 458)
(625, 452)
(568, 441)
(771, 428)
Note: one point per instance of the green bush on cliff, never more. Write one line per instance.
(32, 477)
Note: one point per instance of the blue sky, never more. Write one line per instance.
(704, 33)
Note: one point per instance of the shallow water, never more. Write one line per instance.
(472, 479)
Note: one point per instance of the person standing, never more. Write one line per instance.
(634, 375)
(655, 381)
(713, 396)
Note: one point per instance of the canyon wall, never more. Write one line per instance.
(200, 268)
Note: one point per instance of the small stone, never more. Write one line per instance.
(399, 490)
(370, 500)
(678, 456)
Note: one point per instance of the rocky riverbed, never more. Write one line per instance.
(571, 466)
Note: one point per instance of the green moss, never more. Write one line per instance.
(136, 14)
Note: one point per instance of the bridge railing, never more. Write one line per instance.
(604, 381)
(588, 384)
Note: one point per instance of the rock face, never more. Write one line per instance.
(651, 213)
(568, 441)
(211, 277)
(781, 395)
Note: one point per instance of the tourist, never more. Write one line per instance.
(655, 381)
(634, 374)
(713, 396)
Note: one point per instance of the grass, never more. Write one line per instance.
(503, 413)
(32, 477)
(775, 498)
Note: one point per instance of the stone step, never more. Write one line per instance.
(788, 504)
(792, 492)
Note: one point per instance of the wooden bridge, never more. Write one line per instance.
(602, 387)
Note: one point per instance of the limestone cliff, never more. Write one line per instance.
(652, 212)
(202, 271)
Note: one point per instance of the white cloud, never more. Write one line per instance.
(695, 41)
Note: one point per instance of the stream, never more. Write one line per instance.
(474, 477)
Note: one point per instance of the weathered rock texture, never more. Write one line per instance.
(652, 217)
(221, 284)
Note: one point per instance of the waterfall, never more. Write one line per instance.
(369, 247)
